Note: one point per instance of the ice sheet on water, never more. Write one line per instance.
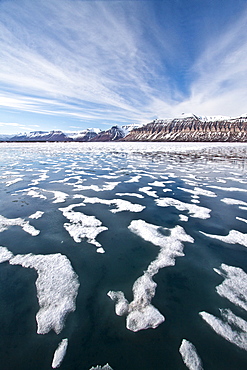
(190, 356)
(226, 189)
(232, 328)
(82, 226)
(141, 314)
(108, 186)
(36, 215)
(5, 254)
(59, 353)
(193, 209)
(234, 286)
(5, 223)
(98, 367)
(130, 195)
(57, 286)
(134, 179)
(241, 219)
(121, 205)
(234, 202)
(59, 196)
(199, 191)
(148, 190)
(234, 237)
(33, 192)
(14, 181)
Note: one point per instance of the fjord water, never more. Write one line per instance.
(67, 198)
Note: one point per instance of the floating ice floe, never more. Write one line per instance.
(148, 190)
(57, 286)
(234, 202)
(199, 191)
(130, 195)
(183, 218)
(98, 367)
(82, 226)
(193, 209)
(234, 237)
(232, 328)
(36, 215)
(5, 254)
(157, 183)
(141, 314)
(241, 219)
(14, 181)
(42, 177)
(59, 353)
(122, 205)
(134, 179)
(234, 287)
(109, 186)
(190, 356)
(5, 223)
(33, 192)
(226, 189)
(59, 196)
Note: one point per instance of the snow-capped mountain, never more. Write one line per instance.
(189, 127)
(186, 127)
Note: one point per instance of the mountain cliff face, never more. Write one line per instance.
(192, 128)
(185, 128)
(41, 136)
(114, 133)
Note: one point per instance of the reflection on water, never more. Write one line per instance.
(127, 254)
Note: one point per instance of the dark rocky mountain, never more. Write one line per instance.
(41, 136)
(114, 133)
(192, 128)
(186, 128)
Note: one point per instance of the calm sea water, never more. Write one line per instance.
(164, 224)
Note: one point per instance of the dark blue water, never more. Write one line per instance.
(97, 177)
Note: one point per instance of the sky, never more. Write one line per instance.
(75, 64)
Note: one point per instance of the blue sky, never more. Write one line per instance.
(74, 64)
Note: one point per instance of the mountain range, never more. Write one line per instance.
(187, 127)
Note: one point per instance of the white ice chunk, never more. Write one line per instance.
(234, 202)
(36, 215)
(5, 223)
(234, 287)
(157, 183)
(233, 328)
(130, 195)
(98, 367)
(33, 192)
(82, 226)
(190, 356)
(100, 250)
(121, 205)
(199, 191)
(183, 218)
(57, 286)
(148, 190)
(241, 219)
(59, 196)
(5, 254)
(194, 210)
(122, 305)
(107, 187)
(59, 353)
(134, 179)
(14, 181)
(227, 189)
(234, 237)
(141, 314)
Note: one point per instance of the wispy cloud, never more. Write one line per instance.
(114, 61)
